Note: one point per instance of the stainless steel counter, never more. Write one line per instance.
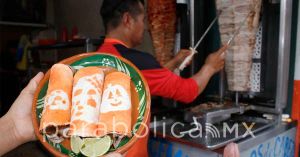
(277, 137)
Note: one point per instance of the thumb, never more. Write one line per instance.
(223, 49)
(32, 85)
(185, 52)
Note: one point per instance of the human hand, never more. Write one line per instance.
(177, 60)
(181, 55)
(215, 61)
(231, 150)
(20, 111)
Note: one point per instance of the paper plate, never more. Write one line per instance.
(140, 99)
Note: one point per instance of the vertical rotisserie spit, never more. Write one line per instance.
(162, 27)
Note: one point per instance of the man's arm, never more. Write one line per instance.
(177, 60)
(213, 64)
(163, 82)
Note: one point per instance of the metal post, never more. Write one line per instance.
(88, 45)
(181, 1)
(221, 86)
(192, 29)
(283, 54)
(236, 98)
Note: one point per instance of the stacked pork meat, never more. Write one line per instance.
(238, 60)
(162, 25)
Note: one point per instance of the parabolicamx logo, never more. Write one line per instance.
(200, 130)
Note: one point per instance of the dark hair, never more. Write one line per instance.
(113, 10)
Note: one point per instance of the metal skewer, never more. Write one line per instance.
(228, 43)
(238, 30)
(236, 98)
(221, 86)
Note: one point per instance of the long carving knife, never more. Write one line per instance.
(207, 30)
(193, 49)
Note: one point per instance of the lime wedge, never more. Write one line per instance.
(76, 144)
(88, 141)
(94, 147)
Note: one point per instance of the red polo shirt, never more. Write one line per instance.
(162, 82)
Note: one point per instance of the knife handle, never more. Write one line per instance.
(187, 59)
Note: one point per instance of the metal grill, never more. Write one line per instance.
(258, 43)
(255, 75)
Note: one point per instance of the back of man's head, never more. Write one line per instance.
(113, 10)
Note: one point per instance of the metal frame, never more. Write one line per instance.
(10, 23)
(283, 51)
(181, 1)
(192, 29)
(266, 135)
(283, 54)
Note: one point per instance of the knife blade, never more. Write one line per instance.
(193, 49)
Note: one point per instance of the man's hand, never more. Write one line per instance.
(178, 59)
(20, 111)
(215, 61)
(181, 55)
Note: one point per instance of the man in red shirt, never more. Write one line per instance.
(124, 25)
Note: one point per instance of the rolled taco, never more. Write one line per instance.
(115, 110)
(86, 100)
(57, 103)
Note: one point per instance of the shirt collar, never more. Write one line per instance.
(113, 40)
